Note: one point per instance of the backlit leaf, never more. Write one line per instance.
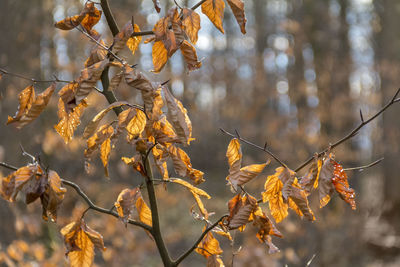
(191, 188)
(266, 228)
(160, 56)
(310, 180)
(52, 197)
(161, 155)
(91, 18)
(237, 7)
(143, 211)
(234, 155)
(273, 194)
(342, 185)
(325, 185)
(125, 203)
(133, 42)
(136, 125)
(190, 56)
(191, 24)
(105, 150)
(71, 22)
(68, 121)
(136, 163)
(214, 10)
(209, 246)
(33, 107)
(100, 139)
(120, 40)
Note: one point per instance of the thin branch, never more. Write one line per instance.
(102, 46)
(190, 250)
(6, 72)
(86, 199)
(254, 145)
(361, 168)
(353, 132)
(198, 4)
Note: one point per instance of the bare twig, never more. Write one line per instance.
(86, 199)
(6, 72)
(254, 145)
(353, 132)
(198, 4)
(361, 168)
(190, 250)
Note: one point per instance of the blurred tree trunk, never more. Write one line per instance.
(388, 56)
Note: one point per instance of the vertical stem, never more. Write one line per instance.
(109, 17)
(156, 231)
(109, 95)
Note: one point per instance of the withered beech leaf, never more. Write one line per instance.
(160, 56)
(214, 10)
(94, 123)
(136, 125)
(215, 261)
(52, 197)
(234, 155)
(96, 55)
(26, 180)
(209, 245)
(105, 150)
(133, 42)
(157, 5)
(88, 79)
(30, 106)
(287, 177)
(67, 95)
(341, 184)
(103, 135)
(266, 228)
(137, 79)
(136, 163)
(115, 81)
(190, 56)
(126, 203)
(80, 241)
(273, 194)
(161, 155)
(162, 131)
(310, 180)
(237, 7)
(92, 17)
(120, 40)
(71, 22)
(143, 210)
(191, 188)
(299, 203)
(325, 185)
(191, 24)
(183, 166)
(178, 116)
(240, 210)
(68, 120)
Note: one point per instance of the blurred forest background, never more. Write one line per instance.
(297, 80)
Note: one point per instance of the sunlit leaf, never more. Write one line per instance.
(209, 246)
(30, 106)
(191, 24)
(125, 203)
(52, 197)
(342, 185)
(96, 141)
(273, 194)
(105, 150)
(190, 56)
(143, 211)
(160, 56)
(91, 18)
(325, 185)
(214, 10)
(237, 7)
(71, 22)
(234, 155)
(161, 155)
(310, 180)
(133, 42)
(136, 125)
(68, 121)
(266, 228)
(136, 163)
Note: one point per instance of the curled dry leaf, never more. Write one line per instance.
(89, 16)
(237, 7)
(126, 203)
(190, 56)
(115, 81)
(191, 24)
(67, 95)
(178, 116)
(30, 106)
(103, 135)
(88, 79)
(162, 131)
(215, 261)
(133, 42)
(161, 155)
(120, 40)
(136, 163)
(143, 211)
(214, 10)
(92, 17)
(183, 166)
(80, 241)
(137, 79)
(209, 245)
(239, 176)
(69, 120)
(52, 197)
(310, 180)
(325, 186)
(341, 184)
(240, 210)
(273, 194)
(97, 54)
(160, 56)
(266, 229)
(136, 125)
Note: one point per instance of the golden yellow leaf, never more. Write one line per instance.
(234, 155)
(214, 10)
(183, 166)
(133, 42)
(190, 56)
(136, 163)
(192, 188)
(68, 121)
(101, 138)
(136, 125)
(178, 116)
(160, 56)
(33, 106)
(273, 194)
(105, 150)
(209, 246)
(191, 24)
(71, 22)
(126, 203)
(144, 211)
(162, 131)
(160, 155)
(91, 18)
(67, 94)
(237, 7)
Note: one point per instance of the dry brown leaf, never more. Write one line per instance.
(136, 163)
(214, 10)
(126, 203)
(191, 24)
(52, 197)
(310, 180)
(190, 56)
(96, 55)
(266, 228)
(240, 210)
(120, 40)
(103, 135)
(105, 150)
(342, 185)
(68, 121)
(71, 22)
(215, 261)
(325, 185)
(209, 246)
(137, 79)
(91, 18)
(178, 116)
(161, 155)
(67, 94)
(133, 42)
(30, 106)
(237, 7)
(162, 131)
